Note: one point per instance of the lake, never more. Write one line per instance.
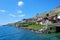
(12, 33)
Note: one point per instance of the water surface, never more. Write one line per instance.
(12, 33)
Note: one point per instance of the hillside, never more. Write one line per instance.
(51, 13)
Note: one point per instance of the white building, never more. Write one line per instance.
(58, 17)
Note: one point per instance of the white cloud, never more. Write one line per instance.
(20, 3)
(19, 11)
(2, 10)
(12, 15)
(21, 15)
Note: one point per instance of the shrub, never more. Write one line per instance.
(24, 25)
(31, 23)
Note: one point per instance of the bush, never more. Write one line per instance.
(23, 22)
(51, 27)
(24, 25)
(31, 23)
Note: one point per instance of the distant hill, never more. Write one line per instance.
(51, 13)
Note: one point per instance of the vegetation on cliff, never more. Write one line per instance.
(33, 25)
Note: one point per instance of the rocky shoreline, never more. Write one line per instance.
(36, 31)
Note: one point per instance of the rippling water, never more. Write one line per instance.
(12, 33)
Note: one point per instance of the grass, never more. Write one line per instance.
(38, 27)
(35, 27)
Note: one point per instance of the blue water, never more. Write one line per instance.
(12, 33)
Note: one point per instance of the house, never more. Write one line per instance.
(39, 20)
(58, 17)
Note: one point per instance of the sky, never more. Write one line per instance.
(15, 10)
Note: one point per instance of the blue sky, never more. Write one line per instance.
(15, 10)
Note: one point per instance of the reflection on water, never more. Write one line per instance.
(12, 33)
